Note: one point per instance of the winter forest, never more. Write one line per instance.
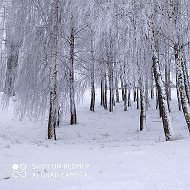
(101, 86)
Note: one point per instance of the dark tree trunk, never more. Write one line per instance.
(157, 100)
(125, 96)
(134, 94)
(152, 84)
(138, 98)
(105, 92)
(92, 104)
(122, 85)
(116, 90)
(160, 105)
(102, 92)
(92, 79)
(73, 119)
(142, 103)
(111, 89)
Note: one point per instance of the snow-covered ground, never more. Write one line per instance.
(104, 151)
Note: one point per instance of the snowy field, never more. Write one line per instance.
(104, 151)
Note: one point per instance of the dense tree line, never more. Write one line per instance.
(52, 50)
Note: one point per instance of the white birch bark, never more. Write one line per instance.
(73, 119)
(167, 124)
(92, 82)
(174, 16)
(181, 84)
(53, 72)
(142, 105)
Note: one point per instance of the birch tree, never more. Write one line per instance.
(53, 71)
(167, 125)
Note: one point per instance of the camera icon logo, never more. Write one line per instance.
(19, 170)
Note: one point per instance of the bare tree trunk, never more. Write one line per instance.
(167, 83)
(134, 94)
(146, 93)
(186, 79)
(125, 88)
(111, 99)
(125, 96)
(102, 92)
(178, 96)
(160, 105)
(152, 84)
(122, 85)
(179, 61)
(181, 85)
(169, 135)
(116, 89)
(73, 119)
(53, 73)
(134, 89)
(143, 110)
(157, 100)
(92, 104)
(92, 77)
(105, 92)
(167, 125)
(138, 98)
(169, 75)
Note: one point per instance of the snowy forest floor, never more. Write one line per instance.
(115, 154)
